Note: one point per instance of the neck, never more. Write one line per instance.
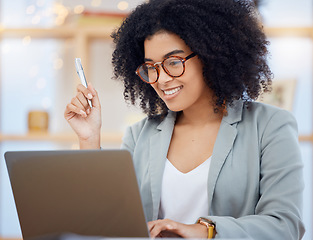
(200, 116)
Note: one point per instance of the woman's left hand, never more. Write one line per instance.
(168, 228)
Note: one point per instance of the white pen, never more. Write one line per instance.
(81, 74)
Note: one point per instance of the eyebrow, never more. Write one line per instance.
(166, 55)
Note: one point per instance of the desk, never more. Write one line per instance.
(76, 237)
(10, 238)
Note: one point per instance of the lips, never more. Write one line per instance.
(172, 91)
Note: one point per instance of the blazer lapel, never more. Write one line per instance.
(159, 144)
(223, 145)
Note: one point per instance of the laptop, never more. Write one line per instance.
(81, 192)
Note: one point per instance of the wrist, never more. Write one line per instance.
(210, 227)
(90, 143)
(202, 230)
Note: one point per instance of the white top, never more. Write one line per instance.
(184, 196)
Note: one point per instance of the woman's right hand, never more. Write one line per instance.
(85, 121)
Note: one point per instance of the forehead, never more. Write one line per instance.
(161, 43)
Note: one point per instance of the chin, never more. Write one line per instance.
(174, 108)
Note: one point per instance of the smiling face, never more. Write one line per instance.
(179, 93)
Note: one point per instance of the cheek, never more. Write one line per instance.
(195, 76)
(197, 84)
(194, 69)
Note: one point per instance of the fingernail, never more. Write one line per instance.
(89, 95)
(88, 111)
(83, 113)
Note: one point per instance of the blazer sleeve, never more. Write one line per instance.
(128, 142)
(132, 134)
(279, 208)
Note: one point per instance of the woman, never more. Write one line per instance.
(210, 162)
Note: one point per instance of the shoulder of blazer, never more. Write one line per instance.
(261, 112)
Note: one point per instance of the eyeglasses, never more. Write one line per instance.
(174, 66)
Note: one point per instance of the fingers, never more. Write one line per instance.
(71, 110)
(162, 228)
(84, 92)
(90, 93)
(168, 228)
(79, 104)
(95, 97)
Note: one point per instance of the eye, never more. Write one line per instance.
(173, 62)
(150, 67)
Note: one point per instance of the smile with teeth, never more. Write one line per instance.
(170, 92)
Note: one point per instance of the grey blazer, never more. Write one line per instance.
(255, 181)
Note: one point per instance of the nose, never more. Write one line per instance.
(164, 77)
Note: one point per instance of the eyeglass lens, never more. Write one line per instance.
(172, 66)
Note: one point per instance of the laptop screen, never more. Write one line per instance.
(85, 192)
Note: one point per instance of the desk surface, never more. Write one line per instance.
(10, 238)
(96, 238)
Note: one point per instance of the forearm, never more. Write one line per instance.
(281, 226)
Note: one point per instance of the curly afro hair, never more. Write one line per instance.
(226, 35)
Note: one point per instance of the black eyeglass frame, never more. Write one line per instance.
(156, 66)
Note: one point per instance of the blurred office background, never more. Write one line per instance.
(39, 40)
